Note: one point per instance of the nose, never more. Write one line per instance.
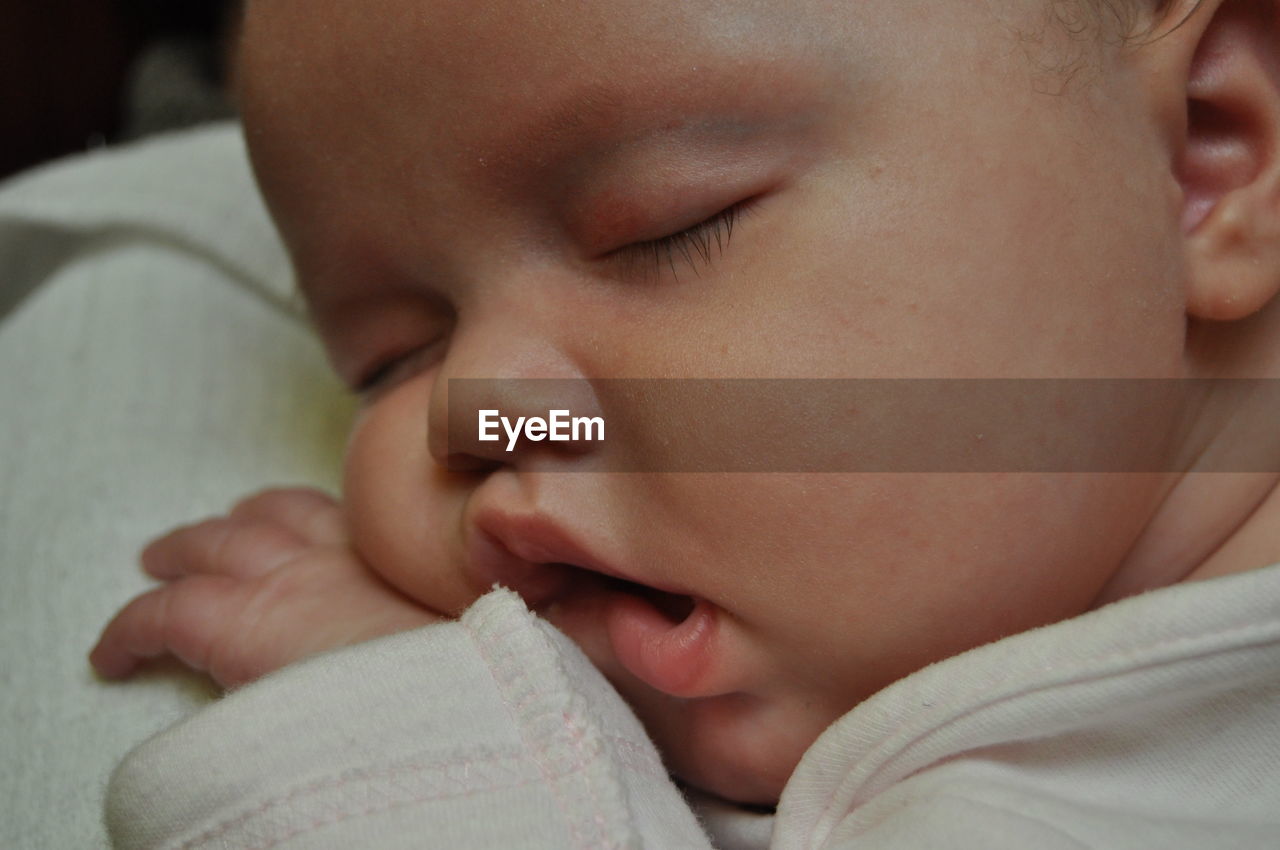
(506, 395)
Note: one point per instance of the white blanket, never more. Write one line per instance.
(153, 368)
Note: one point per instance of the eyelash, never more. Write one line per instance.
(376, 377)
(694, 245)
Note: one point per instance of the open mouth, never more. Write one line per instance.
(571, 578)
(664, 638)
(675, 607)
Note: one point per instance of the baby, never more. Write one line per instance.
(879, 189)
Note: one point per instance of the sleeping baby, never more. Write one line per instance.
(889, 189)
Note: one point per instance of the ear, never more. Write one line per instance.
(1227, 56)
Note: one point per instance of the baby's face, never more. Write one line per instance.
(455, 181)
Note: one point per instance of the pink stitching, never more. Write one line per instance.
(576, 736)
(488, 647)
(317, 823)
(636, 757)
(345, 778)
(525, 691)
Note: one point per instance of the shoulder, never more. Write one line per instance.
(1152, 722)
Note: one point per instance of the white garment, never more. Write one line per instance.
(1150, 723)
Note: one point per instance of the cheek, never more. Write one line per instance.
(932, 565)
(853, 581)
(400, 510)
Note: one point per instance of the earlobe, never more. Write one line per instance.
(1229, 163)
(1234, 258)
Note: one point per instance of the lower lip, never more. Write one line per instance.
(633, 620)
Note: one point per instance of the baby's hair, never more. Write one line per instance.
(1066, 47)
(1123, 17)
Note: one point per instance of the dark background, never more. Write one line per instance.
(65, 67)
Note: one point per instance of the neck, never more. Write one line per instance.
(1209, 522)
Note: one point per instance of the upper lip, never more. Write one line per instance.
(535, 556)
(537, 539)
(529, 553)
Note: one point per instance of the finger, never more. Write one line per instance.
(178, 619)
(312, 514)
(241, 548)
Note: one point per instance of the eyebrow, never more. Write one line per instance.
(584, 107)
(594, 117)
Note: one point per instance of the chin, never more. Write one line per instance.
(734, 785)
(737, 746)
(721, 745)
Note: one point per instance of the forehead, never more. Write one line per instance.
(528, 44)
(535, 71)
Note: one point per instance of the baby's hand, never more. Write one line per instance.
(272, 582)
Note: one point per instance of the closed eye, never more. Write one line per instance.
(387, 373)
(378, 375)
(694, 246)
